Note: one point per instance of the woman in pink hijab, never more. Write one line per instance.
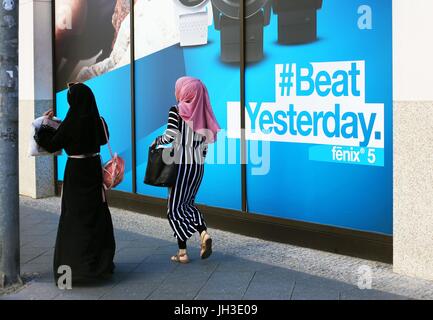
(191, 127)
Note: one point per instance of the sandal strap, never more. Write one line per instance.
(204, 236)
(203, 241)
(178, 256)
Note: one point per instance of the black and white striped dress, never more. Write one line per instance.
(184, 217)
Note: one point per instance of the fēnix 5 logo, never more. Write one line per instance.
(322, 104)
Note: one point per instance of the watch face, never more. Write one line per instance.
(191, 3)
(231, 8)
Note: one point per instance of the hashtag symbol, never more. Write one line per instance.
(286, 80)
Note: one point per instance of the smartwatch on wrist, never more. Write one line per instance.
(194, 19)
(297, 20)
(226, 15)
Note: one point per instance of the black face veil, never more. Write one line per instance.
(83, 118)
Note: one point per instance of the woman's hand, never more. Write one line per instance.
(49, 114)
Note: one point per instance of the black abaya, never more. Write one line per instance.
(85, 239)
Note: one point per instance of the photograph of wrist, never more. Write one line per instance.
(297, 20)
(226, 19)
(194, 17)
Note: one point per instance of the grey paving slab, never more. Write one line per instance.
(29, 246)
(198, 265)
(25, 250)
(43, 226)
(221, 295)
(366, 294)
(132, 255)
(172, 295)
(46, 258)
(236, 264)
(316, 288)
(147, 277)
(46, 223)
(156, 263)
(77, 296)
(27, 256)
(125, 267)
(180, 276)
(141, 243)
(51, 219)
(87, 292)
(231, 282)
(178, 285)
(137, 251)
(39, 230)
(266, 293)
(32, 221)
(36, 267)
(271, 286)
(277, 274)
(170, 249)
(130, 291)
(240, 267)
(94, 293)
(127, 236)
(312, 293)
(35, 237)
(45, 241)
(119, 276)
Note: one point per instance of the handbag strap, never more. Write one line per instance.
(106, 137)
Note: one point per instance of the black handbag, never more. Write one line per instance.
(160, 173)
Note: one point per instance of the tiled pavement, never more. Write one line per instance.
(240, 268)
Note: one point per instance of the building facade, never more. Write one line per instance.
(331, 150)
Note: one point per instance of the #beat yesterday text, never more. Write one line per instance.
(321, 104)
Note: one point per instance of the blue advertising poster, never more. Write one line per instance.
(92, 41)
(319, 112)
(318, 97)
(182, 38)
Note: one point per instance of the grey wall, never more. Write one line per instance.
(413, 138)
(36, 94)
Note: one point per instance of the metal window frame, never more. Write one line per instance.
(54, 77)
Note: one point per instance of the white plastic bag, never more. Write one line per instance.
(34, 149)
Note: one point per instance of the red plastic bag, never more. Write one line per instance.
(114, 170)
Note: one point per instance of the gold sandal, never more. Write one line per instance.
(206, 246)
(180, 258)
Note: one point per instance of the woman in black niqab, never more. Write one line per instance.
(85, 238)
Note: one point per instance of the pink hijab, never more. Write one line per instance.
(195, 108)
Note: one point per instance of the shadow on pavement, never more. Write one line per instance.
(144, 271)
